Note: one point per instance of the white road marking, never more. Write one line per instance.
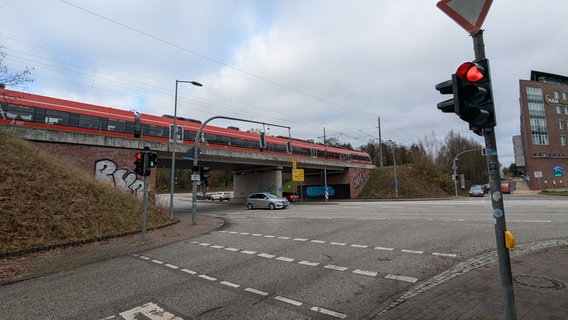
(337, 268)
(365, 272)
(188, 271)
(257, 235)
(412, 251)
(206, 277)
(144, 257)
(204, 244)
(318, 241)
(158, 261)
(308, 263)
(284, 238)
(329, 312)
(300, 239)
(232, 249)
(217, 246)
(401, 278)
(285, 259)
(359, 246)
(266, 255)
(290, 301)
(230, 284)
(383, 248)
(150, 311)
(172, 266)
(255, 291)
(268, 236)
(248, 252)
(338, 243)
(452, 255)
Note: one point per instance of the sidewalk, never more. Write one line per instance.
(540, 282)
(40, 264)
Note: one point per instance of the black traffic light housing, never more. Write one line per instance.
(472, 95)
(145, 160)
(204, 175)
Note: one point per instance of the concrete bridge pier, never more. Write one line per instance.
(258, 180)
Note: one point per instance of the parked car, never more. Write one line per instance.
(292, 197)
(505, 187)
(266, 200)
(221, 196)
(476, 190)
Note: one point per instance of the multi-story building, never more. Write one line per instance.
(544, 130)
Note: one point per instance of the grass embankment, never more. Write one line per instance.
(44, 201)
(414, 182)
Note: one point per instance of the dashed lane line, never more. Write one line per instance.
(354, 245)
(316, 264)
(235, 286)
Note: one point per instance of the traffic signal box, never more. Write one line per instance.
(204, 175)
(145, 161)
(472, 95)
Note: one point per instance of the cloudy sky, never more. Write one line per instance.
(307, 64)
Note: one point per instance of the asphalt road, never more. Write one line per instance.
(329, 261)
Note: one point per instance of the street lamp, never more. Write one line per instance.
(174, 141)
(455, 167)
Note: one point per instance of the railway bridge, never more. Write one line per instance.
(111, 159)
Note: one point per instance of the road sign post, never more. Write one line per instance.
(470, 14)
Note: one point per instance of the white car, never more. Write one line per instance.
(266, 200)
(221, 196)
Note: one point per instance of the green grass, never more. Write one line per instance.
(44, 201)
(563, 193)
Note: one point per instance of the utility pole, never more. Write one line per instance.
(380, 143)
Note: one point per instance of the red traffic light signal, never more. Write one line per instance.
(472, 95)
(139, 163)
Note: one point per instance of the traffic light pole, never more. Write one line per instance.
(497, 202)
(144, 210)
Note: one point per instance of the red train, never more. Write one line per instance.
(20, 108)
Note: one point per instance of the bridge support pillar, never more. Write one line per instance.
(260, 180)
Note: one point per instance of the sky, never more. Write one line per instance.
(311, 65)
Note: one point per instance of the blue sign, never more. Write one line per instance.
(557, 171)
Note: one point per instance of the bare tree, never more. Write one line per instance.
(12, 79)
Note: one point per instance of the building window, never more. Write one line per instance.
(558, 110)
(564, 95)
(563, 140)
(566, 110)
(556, 94)
(537, 116)
(561, 124)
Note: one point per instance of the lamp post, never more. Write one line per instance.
(174, 141)
(455, 167)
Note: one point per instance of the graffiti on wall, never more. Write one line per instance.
(359, 180)
(108, 171)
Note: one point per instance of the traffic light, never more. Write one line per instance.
(472, 95)
(152, 159)
(262, 140)
(139, 163)
(204, 175)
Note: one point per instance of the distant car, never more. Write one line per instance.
(505, 187)
(476, 191)
(486, 187)
(292, 197)
(221, 196)
(266, 200)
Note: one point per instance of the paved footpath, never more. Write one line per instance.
(472, 289)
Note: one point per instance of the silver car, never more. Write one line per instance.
(266, 200)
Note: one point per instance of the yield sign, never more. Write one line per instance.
(469, 14)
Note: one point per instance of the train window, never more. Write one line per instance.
(116, 125)
(57, 117)
(154, 131)
(89, 122)
(13, 111)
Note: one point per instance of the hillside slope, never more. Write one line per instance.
(414, 181)
(43, 202)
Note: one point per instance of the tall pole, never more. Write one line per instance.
(380, 143)
(497, 202)
(174, 142)
(326, 193)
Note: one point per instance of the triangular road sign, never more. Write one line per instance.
(469, 14)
